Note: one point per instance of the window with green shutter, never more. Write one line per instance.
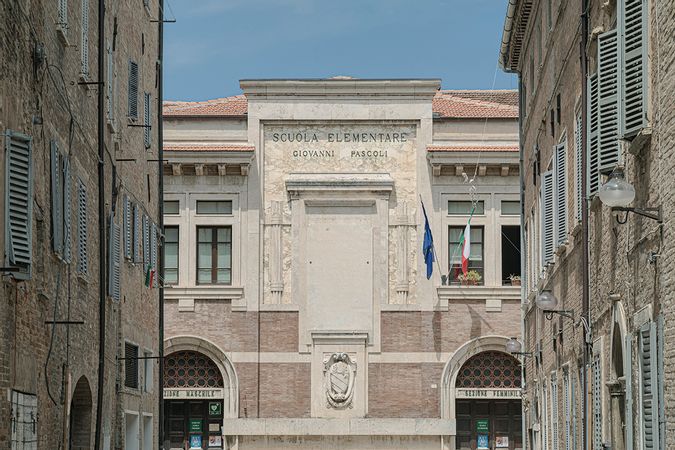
(608, 101)
(560, 168)
(547, 217)
(632, 23)
(133, 90)
(84, 42)
(649, 387)
(82, 255)
(127, 224)
(67, 213)
(147, 131)
(592, 136)
(137, 233)
(596, 391)
(578, 176)
(113, 259)
(18, 204)
(57, 198)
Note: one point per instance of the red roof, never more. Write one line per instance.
(472, 148)
(208, 148)
(446, 104)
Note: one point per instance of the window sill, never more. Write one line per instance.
(211, 292)
(446, 294)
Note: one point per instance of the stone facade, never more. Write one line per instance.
(322, 182)
(47, 54)
(630, 282)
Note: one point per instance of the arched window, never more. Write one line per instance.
(489, 370)
(80, 416)
(190, 369)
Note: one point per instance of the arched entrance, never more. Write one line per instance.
(80, 416)
(200, 390)
(617, 382)
(481, 385)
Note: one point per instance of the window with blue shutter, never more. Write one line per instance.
(84, 42)
(578, 176)
(137, 233)
(113, 259)
(608, 101)
(126, 213)
(67, 213)
(560, 168)
(57, 198)
(147, 131)
(547, 217)
(133, 90)
(592, 136)
(18, 204)
(82, 255)
(649, 391)
(632, 23)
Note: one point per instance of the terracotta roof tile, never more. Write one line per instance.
(446, 104)
(208, 148)
(219, 107)
(476, 104)
(470, 148)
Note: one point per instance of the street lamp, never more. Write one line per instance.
(514, 347)
(547, 302)
(617, 193)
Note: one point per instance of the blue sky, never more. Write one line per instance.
(215, 43)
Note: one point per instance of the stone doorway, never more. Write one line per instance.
(80, 416)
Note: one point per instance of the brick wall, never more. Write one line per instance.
(404, 390)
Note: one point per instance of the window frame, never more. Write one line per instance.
(452, 280)
(166, 244)
(214, 254)
(127, 358)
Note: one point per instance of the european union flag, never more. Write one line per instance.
(428, 245)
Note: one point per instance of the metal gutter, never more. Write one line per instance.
(506, 33)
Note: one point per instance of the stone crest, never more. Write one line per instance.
(339, 372)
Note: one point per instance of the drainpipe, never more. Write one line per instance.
(101, 225)
(523, 246)
(160, 208)
(585, 290)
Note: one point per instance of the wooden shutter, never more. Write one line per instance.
(84, 44)
(137, 233)
(110, 84)
(82, 256)
(57, 198)
(660, 380)
(18, 203)
(632, 22)
(596, 379)
(593, 176)
(126, 212)
(146, 240)
(578, 176)
(547, 217)
(153, 246)
(649, 391)
(67, 213)
(628, 377)
(608, 101)
(114, 260)
(566, 409)
(560, 166)
(147, 121)
(554, 412)
(133, 90)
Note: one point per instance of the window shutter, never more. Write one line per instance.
(596, 374)
(633, 28)
(628, 377)
(127, 227)
(82, 256)
(566, 409)
(146, 121)
(114, 260)
(573, 408)
(130, 365)
(592, 136)
(648, 397)
(18, 203)
(63, 14)
(547, 219)
(153, 246)
(84, 50)
(578, 177)
(133, 90)
(608, 101)
(57, 199)
(660, 378)
(554, 412)
(560, 164)
(67, 213)
(146, 241)
(137, 233)
(110, 84)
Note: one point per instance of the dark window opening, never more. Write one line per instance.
(511, 255)
(130, 365)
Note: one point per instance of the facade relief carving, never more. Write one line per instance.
(339, 374)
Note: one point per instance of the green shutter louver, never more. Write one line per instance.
(578, 176)
(153, 246)
(632, 23)
(592, 136)
(147, 131)
(57, 198)
(554, 413)
(560, 168)
(146, 240)
(133, 90)
(596, 379)
(137, 234)
(63, 14)
(608, 101)
(113, 259)
(18, 203)
(547, 218)
(84, 42)
(82, 255)
(649, 391)
(110, 84)
(67, 213)
(126, 213)
(628, 377)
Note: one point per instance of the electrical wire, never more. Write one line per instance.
(51, 340)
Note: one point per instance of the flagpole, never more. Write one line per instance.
(433, 247)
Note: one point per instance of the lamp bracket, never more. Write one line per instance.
(651, 213)
(523, 354)
(548, 313)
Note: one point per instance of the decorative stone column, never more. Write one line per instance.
(402, 223)
(275, 223)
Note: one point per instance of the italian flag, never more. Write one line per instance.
(466, 248)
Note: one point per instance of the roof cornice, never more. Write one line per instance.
(422, 88)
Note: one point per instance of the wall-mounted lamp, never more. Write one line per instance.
(547, 302)
(617, 193)
(514, 347)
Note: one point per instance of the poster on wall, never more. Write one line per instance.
(482, 441)
(196, 441)
(215, 442)
(502, 442)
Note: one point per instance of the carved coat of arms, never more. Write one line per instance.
(339, 372)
